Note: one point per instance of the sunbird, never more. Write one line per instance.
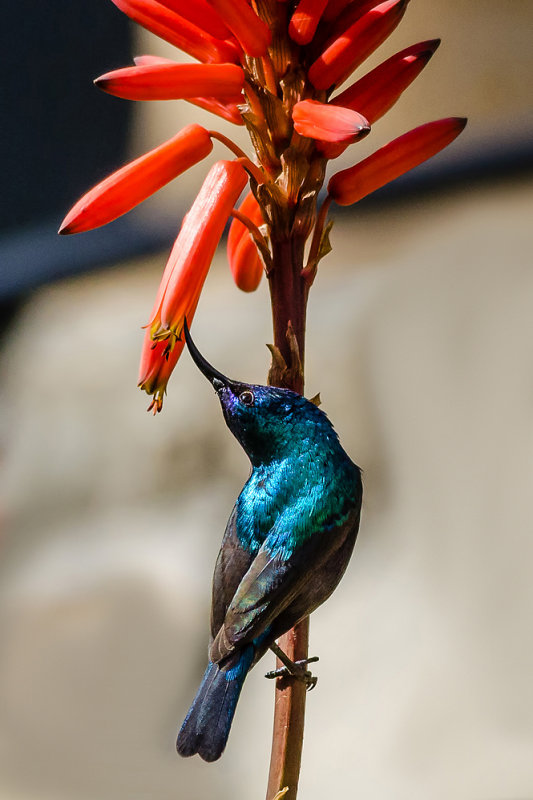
(285, 548)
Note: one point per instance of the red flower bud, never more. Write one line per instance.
(193, 250)
(228, 111)
(246, 265)
(375, 93)
(328, 123)
(305, 19)
(169, 26)
(252, 33)
(394, 159)
(133, 183)
(170, 81)
(352, 47)
(244, 260)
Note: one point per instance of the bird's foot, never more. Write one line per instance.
(293, 669)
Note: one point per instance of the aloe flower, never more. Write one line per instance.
(278, 67)
(168, 81)
(132, 184)
(193, 250)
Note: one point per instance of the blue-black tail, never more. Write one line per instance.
(206, 727)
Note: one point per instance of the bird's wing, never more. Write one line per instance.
(269, 586)
(265, 590)
(233, 563)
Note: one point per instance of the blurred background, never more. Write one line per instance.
(420, 343)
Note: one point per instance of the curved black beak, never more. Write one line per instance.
(216, 378)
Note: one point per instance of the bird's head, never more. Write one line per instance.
(268, 422)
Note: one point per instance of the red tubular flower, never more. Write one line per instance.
(193, 250)
(375, 93)
(169, 26)
(133, 183)
(244, 260)
(350, 49)
(227, 110)
(328, 123)
(201, 14)
(394, 159)
(169, 81)
(246, 265)
(305, 20)
(252, 33)
(158, 359)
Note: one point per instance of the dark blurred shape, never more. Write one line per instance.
(37, 255)
(58, 133)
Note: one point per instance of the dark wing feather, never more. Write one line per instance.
(232, 564)
(271, 584)
(267, 588)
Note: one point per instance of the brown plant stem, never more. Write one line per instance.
(288, 292)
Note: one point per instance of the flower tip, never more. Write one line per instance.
(432, 45)
(68, 226)
(425, 50)
(457, 124)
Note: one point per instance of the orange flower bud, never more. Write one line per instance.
(352, 47)
(375, 93)
(305, 19)
(169, 26)
(246, 265)
(329, 123)
(394, 159)
(193, 250)
(252, 33)
(169, 81)
(133, 183)
(244, 260)
(228, 111)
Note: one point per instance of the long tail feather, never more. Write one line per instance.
(206, 727)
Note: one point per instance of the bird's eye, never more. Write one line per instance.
(246, 398)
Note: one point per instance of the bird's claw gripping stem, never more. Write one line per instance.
(294, 669)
